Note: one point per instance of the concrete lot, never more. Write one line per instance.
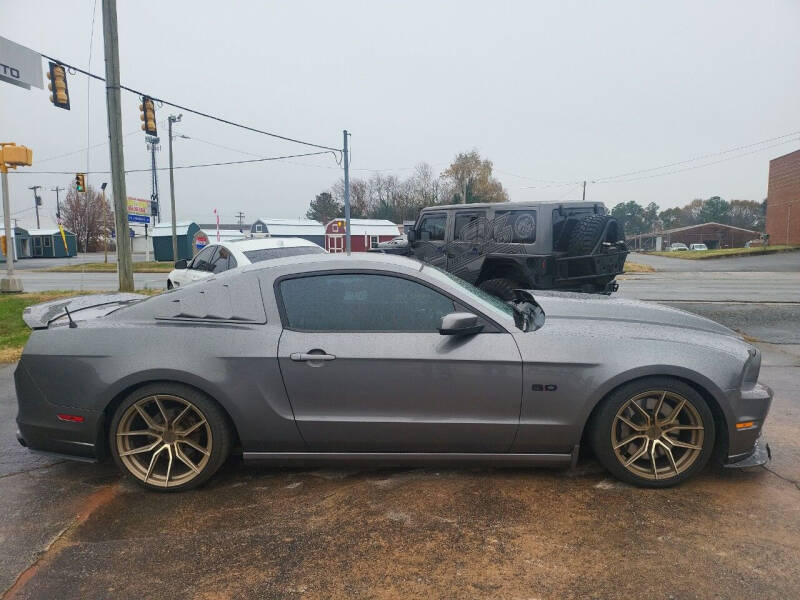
(74, 530)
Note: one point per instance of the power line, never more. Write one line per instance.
(696, 158)
(698, 166)
(196, 166)
(93, 146)
(197, 112)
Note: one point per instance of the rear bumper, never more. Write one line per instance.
(40, 428)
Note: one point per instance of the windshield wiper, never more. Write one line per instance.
(528, 315)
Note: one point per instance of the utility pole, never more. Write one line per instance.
(346, 161)
(36, 202)
(105, 223)
(173, 119)
(58, 204)
(113, 109)
(240, 219)
(584, 190)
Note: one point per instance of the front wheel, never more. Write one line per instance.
(654, 432)
(169, 437)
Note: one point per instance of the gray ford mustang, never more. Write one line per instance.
(376, 357)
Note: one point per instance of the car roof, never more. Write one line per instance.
(358, 260)
(268, 242)
(509, 205)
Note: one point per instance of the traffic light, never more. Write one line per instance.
(3, 245)
(15, 156)
(148, 116)
(58, 85)
(80, 182)
(154, 208)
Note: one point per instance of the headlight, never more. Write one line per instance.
(751, 368)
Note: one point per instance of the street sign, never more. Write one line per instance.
(138, 218)
(20, 65)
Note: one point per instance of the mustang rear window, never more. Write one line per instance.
(228, 299)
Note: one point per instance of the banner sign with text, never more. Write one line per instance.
(20, 65)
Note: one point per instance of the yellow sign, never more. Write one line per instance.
(137, 206)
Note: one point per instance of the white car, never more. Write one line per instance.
(217, 258)
(698, 247)
(678, 247)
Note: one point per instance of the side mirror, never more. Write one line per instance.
(460, 323)
(181, 264)
(411, 236)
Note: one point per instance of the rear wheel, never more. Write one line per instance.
(501, 287)
(654, 432)
(169, 437)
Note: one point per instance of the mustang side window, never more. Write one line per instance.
(362, 302)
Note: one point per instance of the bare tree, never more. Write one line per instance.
(88, 216)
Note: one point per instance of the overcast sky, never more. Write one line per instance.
(555, 91)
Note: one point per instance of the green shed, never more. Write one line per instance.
(22, 243)
(162, 240)
(48, 243)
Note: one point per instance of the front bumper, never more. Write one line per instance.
(747, 447)
(761, 455)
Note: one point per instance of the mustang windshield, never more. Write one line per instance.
(491, 304)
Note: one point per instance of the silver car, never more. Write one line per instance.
(381, 358)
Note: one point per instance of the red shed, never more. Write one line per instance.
(364, 234)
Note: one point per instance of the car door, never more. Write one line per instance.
(465, 253)
(367, 371)
(430, 243)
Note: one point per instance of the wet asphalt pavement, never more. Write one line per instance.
(74, 530)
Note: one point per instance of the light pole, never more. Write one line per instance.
(9, 283)
(173, 119)
(346, 163)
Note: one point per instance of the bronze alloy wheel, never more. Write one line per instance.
(657, 434)
(164, 440)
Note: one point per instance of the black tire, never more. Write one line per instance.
(605, 420)
(587, 232)
(501, 287)
(220, 436)
(169, 284)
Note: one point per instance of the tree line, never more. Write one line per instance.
(467, 180)
(636, 219)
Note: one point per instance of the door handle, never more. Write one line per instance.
(305, 357)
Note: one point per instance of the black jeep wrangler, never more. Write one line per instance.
(533, 245)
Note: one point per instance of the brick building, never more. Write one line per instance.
(783, 199)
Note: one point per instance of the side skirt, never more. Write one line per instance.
(539, 460)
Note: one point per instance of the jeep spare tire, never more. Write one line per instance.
(587, 232)
(501, 287)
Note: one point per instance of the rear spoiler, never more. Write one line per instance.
(39, 316)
